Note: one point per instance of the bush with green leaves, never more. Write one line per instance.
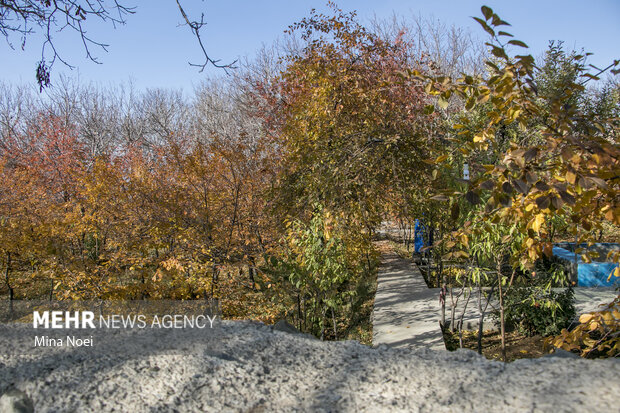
(549, 272)
(315, 276)
(539, 311)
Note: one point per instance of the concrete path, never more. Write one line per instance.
(406, 311)
(588, 299)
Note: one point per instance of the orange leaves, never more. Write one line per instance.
(172, 263)
(141, 222)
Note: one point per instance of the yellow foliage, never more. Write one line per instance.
(597, 335)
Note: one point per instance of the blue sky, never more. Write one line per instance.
(153, 51)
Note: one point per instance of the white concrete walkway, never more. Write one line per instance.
(406, 311)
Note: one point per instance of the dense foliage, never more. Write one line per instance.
(542, 159)
(533, 311)
(264, 190)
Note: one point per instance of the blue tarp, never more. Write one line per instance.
(594, 274)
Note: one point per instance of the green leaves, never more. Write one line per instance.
(518, 43)
(498, 51)
(487, 12)
(492, 18)
(472, 197)
(538, 310)
(318, 267)
(470, 103)
(485, 26)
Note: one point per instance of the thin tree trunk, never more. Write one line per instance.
(452, 309)
(444, 290)
(299, 311)
(502, 323)
(437, 281)
(482, 313)
(214, 280)
(8, 284)
(454, 302)
(251, 271)
(481, 319)
(468, 293)
(305, 312)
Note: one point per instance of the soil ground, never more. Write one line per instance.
(518, 346)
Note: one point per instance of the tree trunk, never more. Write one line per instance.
(305, 313)
(299, 311)
(453, 304)
(482, 314)
(502, 323)
(452, 309)
(251, 271)
(444, 290)
(468, 293)
(480, 320)
(8, 284)
(214, 279)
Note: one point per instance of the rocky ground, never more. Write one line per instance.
(245, 366)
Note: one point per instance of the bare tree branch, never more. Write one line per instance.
(195, 27)
(22, 17)
(17, 17)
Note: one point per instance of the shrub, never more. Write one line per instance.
(539, 311)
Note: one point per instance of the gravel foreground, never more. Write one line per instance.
(249, 367)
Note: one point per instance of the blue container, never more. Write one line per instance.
(418, 239)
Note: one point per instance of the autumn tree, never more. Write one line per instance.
(351, 130)
(131, 196)
(569, 167)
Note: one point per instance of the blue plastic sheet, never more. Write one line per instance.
(594, 274)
